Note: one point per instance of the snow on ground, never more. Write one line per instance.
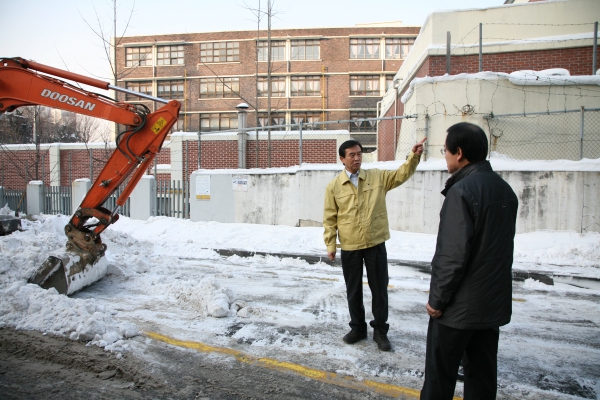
(165, 277)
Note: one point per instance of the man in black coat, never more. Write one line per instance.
(470, 293)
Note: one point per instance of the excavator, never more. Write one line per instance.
(28, 83)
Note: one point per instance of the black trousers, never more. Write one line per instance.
(445, 348)
(375, 260)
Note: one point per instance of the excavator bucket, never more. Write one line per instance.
(83, 262)
(68, 273)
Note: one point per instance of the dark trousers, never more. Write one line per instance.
(445, 348)
(375, 260)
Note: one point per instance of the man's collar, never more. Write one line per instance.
(464, 171)
(350, 173)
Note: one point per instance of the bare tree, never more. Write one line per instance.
(110, 41)
(38, 124)
(259, 14)
(109, 38)
(34, 125)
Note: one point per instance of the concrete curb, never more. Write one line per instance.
(422, 266)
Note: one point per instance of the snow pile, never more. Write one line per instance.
(167, 263)
(208, 298)
(559, 248)
(6, 210)
(27, 306)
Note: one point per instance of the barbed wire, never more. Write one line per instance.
(471, 45)
(526, 24)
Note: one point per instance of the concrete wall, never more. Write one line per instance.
(548, 200)
(442, 99)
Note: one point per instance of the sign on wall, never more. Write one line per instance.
(240, 183)
(202, 187)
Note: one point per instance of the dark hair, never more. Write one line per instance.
(470, 138)
(346, 145)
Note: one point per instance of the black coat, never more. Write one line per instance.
(471, 279)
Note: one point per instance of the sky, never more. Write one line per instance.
(61, 33)
(163, 277)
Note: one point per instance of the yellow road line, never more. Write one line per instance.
(322, 376)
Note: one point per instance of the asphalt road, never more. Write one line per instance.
(550, 350)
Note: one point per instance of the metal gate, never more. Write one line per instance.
(173, 199)
(15, 199)
(57, 200)
(111, 202)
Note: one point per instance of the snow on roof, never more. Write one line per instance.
(548, 77)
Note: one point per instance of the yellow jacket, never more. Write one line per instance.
(359, 216)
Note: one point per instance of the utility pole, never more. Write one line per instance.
(269, 5)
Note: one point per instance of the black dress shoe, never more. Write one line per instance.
(354, 336)
(382, 341)
(461, 374)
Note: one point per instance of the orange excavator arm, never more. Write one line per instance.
(23, 84)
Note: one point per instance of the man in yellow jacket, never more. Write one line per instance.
(355, 211)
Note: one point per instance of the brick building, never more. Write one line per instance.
(317, 74)
(526, 35)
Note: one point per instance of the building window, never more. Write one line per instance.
(138, 56)
(306, 117)
(276, 119)
(170, 89)
(364, 49)
(170, 55)
(397, 48)
(277, 86)
(219, 52)
(306, 86)
(142, 87)
(389, 82)
(363, 126)
(364, 85)
(218, 122)
(305, 49)
(219, 87)
(179, 126)
(277, 50)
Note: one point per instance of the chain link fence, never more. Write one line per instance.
(306, 142)
(570, 135)
(408, 135)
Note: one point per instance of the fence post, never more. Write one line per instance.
(35, 198)
(242, 114)
(448, 40)
(91, 165)
(154, 195)
(595, 52)
(186, 160)
(3, 201)
(300, 143)
(480, 47)
(199, 150)
(426, 145)
(79, 189)
(177, 155)
(141, 201)
(54, 161)
(581, 132)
